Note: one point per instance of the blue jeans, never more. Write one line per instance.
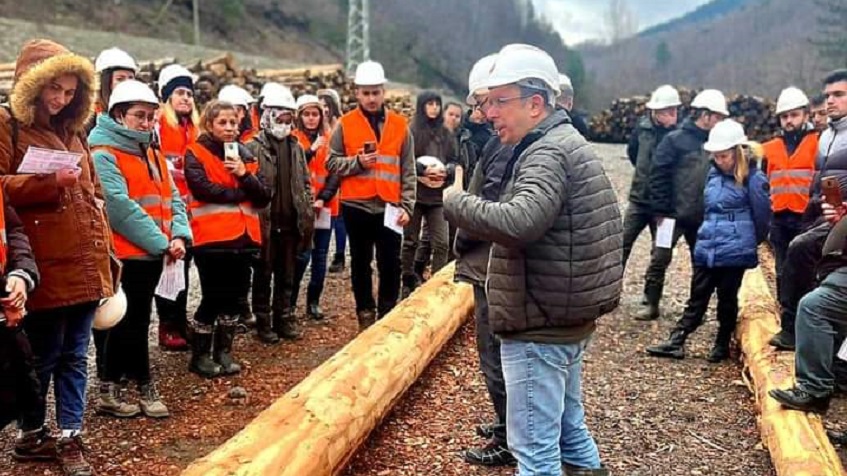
(545, 419)
(59, 339)
(340, 237)
(318, 257)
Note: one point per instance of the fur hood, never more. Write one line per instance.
(38, 62)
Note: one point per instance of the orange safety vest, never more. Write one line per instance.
(791, 177)
(248, 135)
(174, 141)
(383, 180)
(148, 184)
(317, 167)
(256, 119)
(4, 241)
(222, 222)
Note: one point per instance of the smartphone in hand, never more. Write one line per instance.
(370, 147)
(231, 151)
(831, 191)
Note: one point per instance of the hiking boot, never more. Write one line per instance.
(648, 312)
(337, 265)
(201, 353)
(366, 319)
(674, 347)
(264, 331)
(150, 402)
(783, 341)
(71, 453)
(286, 326)
(801, 400)
(36, 445)
(719, 353)
(224, 336)
(486, 430)
(313, 310)
(492, 454)
(113, 402)
(170, 338)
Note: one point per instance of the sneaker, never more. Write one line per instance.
(150, 402)
(71, 453)
(113, 403)
(35, 445)
(493, 454)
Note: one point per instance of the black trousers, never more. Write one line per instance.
(175, 313)
(126, 349)
(224, 281)
(704, 282)
(488, 347)
(798, 271)
(277, 265)
(785, 226)
(367, 232)
(637, 218)
(660, 259)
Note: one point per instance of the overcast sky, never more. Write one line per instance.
(580, 20)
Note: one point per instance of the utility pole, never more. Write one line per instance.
(195, 4)
(358, 33)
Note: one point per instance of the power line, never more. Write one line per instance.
(358, 33)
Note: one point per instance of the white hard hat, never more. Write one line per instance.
(725, 135)
(171, 72)
(114, 58)
(234, 95)
(270, 88)
(664, 97)
(479, 73)
(132, 90)
(307, 100)
(517, 62)
(790, 99)
(369, 73)
(565, 83)
(110, 311)
(279, 97)
(711, 99)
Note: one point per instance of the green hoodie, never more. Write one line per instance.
(126, 217)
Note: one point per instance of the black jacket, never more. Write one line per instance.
(480, 133)
(641, 151)
(432, 138)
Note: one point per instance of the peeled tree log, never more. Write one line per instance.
(316, 427)
(797, 441)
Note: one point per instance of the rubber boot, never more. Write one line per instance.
(201, 353)
(285, 325)
(720, 351)
(674, 347)
(264, 331)
(224, 336)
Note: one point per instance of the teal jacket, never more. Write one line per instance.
(126, 217)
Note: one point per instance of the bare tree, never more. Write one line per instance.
(620, 21)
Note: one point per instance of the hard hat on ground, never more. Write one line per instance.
(307, 100)
(110, 311)
(518, 62)
(114, 58)
(791, 98)
(234, 95)
(725, 135)
(712, 100)
(280, 97)
(479, 73)
(369, 73)
(130, 91)
(664, 97)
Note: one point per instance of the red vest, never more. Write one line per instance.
(317, 167)
(791, 177)
(148, 184)
(222, 222)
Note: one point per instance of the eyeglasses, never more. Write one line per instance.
(143, 117)
(490, 103)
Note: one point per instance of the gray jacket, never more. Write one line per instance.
(555, 261)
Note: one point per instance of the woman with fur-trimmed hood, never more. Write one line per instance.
(51, 101)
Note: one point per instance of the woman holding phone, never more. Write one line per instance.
(228, 191)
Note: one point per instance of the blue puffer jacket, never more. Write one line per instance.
(125, 215)
(736, 220)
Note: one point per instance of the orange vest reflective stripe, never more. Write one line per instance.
(174, 141)
(4, 241)
(383, 180)
(317, 167)
(222, 222)
(791, 177)
(148, 184)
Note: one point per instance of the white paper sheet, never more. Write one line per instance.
(664, 233)
(48, 161)
(172, 281)
(392, 213)
(323, 221)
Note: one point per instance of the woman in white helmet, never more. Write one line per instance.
(114, 66)
(149, 224)
(737, 217)
(178, 126)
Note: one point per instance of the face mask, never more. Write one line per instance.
(280, 131)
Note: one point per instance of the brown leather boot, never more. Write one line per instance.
(71, 453)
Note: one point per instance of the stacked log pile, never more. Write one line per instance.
(214, 73)
(616, 123)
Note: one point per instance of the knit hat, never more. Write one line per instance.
(178, 82)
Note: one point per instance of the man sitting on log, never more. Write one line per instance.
(798, 272)
(555, 261)
(661, 118)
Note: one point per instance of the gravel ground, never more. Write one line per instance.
(649, 416)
